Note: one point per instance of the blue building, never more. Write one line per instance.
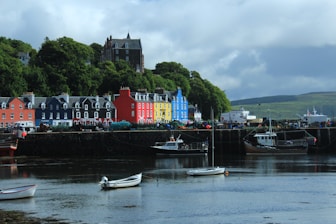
(179, 106)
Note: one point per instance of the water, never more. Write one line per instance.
(297, 189)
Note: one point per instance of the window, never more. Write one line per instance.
(97, 105)
(3, 105)
(43, 115)
(20, 106)
(77, 105)
(57, 107)
(12, 106)
(116, 51)
(108, 114)
(12, 116)
(86, 114)
(3, 116)
(132, 113)
(65, 115)
(21, 116)
(51, 115)
(96, 114)
(127, 58)
(126, 45)
(43, 106)
(30, 105)
(78, 115)
(108, 106)
(65, 106)
(86, 107)
(58, 115)
(132, 105)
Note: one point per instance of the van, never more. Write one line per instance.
(25, 126)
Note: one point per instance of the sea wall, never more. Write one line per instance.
(135, 142)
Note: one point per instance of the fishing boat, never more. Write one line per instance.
(269, 142)
(209, 170)
(131, 181)
(18, 192)
(179, 147)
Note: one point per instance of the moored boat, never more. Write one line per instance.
(131, 181)
(179, 147)
(18, 192)
(287, 142)
(8, 146)
(207, 171)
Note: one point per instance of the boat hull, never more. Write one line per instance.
(289, 149)
(206, 171)
(131, 181)
(8, 147)
(18, 192)
(164, 152)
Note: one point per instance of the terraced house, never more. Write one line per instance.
(68, 110)
(138, 107)
(14, 109)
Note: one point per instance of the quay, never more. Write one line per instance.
(138, 142)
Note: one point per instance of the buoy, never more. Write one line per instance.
(226, 173)
(24, 134)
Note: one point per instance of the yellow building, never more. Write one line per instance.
(162, 107)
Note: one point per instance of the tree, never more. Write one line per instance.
(67, 65)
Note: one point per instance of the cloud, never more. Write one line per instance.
(246, 48)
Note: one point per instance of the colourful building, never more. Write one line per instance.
(179, 106)
(13, 110)
(162, 106)
(135, 107)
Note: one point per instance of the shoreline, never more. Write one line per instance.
(19, 217)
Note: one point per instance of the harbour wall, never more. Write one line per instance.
(138, 142)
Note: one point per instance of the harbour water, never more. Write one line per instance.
(258, 189)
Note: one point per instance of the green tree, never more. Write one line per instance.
(11, 68)
(67, 64)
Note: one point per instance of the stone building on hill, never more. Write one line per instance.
(126, 49)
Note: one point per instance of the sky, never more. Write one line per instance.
(248, 48)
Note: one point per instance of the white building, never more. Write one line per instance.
(237, 117)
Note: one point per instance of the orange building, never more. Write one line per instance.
(15, 110)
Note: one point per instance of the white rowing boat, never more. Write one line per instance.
(121, 183)
(18, 192)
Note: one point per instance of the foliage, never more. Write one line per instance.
(64, 65)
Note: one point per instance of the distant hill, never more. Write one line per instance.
(289, 106)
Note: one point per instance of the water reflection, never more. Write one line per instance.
(86, 170)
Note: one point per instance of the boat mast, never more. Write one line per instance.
(212, 138)
(269, 122)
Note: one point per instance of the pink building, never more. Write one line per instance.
(135, 107)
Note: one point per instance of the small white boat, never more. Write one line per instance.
(120, 183)
(206, 171)
(18, 192)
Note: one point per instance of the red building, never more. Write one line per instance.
(15, 110)
(135, 107)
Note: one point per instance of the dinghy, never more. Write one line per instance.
(120, 183)
(18, 192)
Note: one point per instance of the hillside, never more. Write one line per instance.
(289, 106)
